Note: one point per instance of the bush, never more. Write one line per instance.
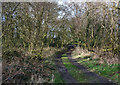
(10, 54)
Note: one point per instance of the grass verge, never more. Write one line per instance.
(108, 71)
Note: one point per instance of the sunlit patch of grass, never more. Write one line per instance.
(64, 55)
(74, 71)
(78, 56)
(109, 71)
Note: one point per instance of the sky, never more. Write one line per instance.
(62, 2)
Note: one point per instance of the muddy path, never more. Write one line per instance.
(63, 71)
(96, 77)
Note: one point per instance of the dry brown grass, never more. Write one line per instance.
(80, 52)
(49, 51)
(104, 57)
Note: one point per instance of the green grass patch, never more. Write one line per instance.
(64, 55)
(109, 71)
(73, 70)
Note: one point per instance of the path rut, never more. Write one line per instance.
(96, 77)
(68, 77)
(63, 71)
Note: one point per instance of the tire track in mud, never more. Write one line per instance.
(63, 71)
(89, 74)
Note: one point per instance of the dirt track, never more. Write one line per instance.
(63, 71)
(69, 79)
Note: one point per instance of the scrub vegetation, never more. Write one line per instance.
(33, 33)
